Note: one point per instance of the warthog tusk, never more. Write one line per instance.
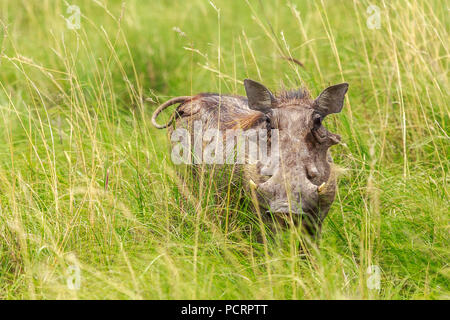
(321, 187)
(252, 184)
(329, 185)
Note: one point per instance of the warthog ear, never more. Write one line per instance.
(331, 100)
(259, 97)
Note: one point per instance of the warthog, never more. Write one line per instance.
(303, 184)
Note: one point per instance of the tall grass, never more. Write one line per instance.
(86, 181)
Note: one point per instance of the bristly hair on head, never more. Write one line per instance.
(296, 94)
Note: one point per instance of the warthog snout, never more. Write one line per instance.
(306, 198)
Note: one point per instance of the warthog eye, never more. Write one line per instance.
(318, 130)
(317, 120)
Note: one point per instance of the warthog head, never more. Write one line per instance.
(304, 182)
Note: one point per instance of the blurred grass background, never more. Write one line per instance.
(86, 181)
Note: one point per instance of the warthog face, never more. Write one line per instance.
(304, 182)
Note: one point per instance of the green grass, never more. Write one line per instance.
(85, 180)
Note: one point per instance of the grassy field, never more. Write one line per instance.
(91, 206)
